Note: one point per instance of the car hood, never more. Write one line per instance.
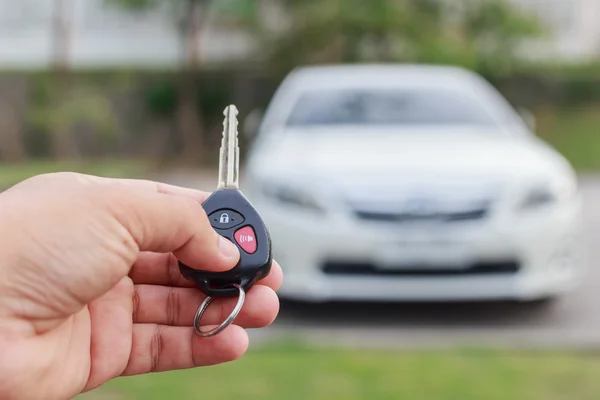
(391, 155)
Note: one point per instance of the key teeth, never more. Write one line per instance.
(229, 152)
(231, 112)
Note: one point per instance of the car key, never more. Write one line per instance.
(233, 216)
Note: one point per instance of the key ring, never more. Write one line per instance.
(232, 316)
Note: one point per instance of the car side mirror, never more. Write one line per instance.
(529, 119)
(252, 122)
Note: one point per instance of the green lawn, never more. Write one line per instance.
(302, 373)
(14, 173)
(575, 133)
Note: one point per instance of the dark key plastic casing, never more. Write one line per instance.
(251, 267)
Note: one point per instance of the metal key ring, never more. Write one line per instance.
(226, 322)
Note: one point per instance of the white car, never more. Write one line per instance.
(411, 183)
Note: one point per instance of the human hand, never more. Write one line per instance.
(90, 288)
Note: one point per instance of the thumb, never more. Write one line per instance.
(162, 222)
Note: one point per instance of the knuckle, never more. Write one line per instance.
(156, 348)
(170, 267)
(136, 304)
(174, 275)
(173, 303)
(192, 207)
(196, 218)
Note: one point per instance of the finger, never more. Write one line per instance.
(163, 269)
(275, 278)
(165, 223)
(158, 348)
(177, 306)
(158, 269)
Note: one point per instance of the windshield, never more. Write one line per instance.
(388, 107)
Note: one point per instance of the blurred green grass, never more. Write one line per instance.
(575, 133)
(11, 174)
(299, 373)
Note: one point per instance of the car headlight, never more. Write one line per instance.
(554, 191)
(293, 196)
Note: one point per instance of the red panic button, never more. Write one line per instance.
(246, 239)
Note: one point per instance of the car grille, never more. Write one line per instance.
(506, 267)
(383, 216)
(426, 202)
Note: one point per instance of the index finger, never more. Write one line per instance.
(163, 270)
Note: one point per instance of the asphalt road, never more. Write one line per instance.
(571, 321)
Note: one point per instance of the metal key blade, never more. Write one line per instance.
(229, 159)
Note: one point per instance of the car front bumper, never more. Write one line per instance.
(335, 258)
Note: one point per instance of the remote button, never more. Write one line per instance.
(225, 219)
(246, 239)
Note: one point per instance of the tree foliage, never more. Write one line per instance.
(188, 17)
(480, 34)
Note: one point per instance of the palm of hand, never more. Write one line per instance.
(89, 347)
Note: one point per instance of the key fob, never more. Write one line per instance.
(233, 216)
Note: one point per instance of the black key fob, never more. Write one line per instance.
(235, 218)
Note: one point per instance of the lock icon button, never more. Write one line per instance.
(225, 219)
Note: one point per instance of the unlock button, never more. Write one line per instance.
(225, 219)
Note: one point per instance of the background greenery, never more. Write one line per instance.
(133, 114)
(294, 372)
(174, 115)
(11, 174)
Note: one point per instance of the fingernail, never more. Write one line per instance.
(227, 248)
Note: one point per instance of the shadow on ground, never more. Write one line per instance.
(421, 315)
